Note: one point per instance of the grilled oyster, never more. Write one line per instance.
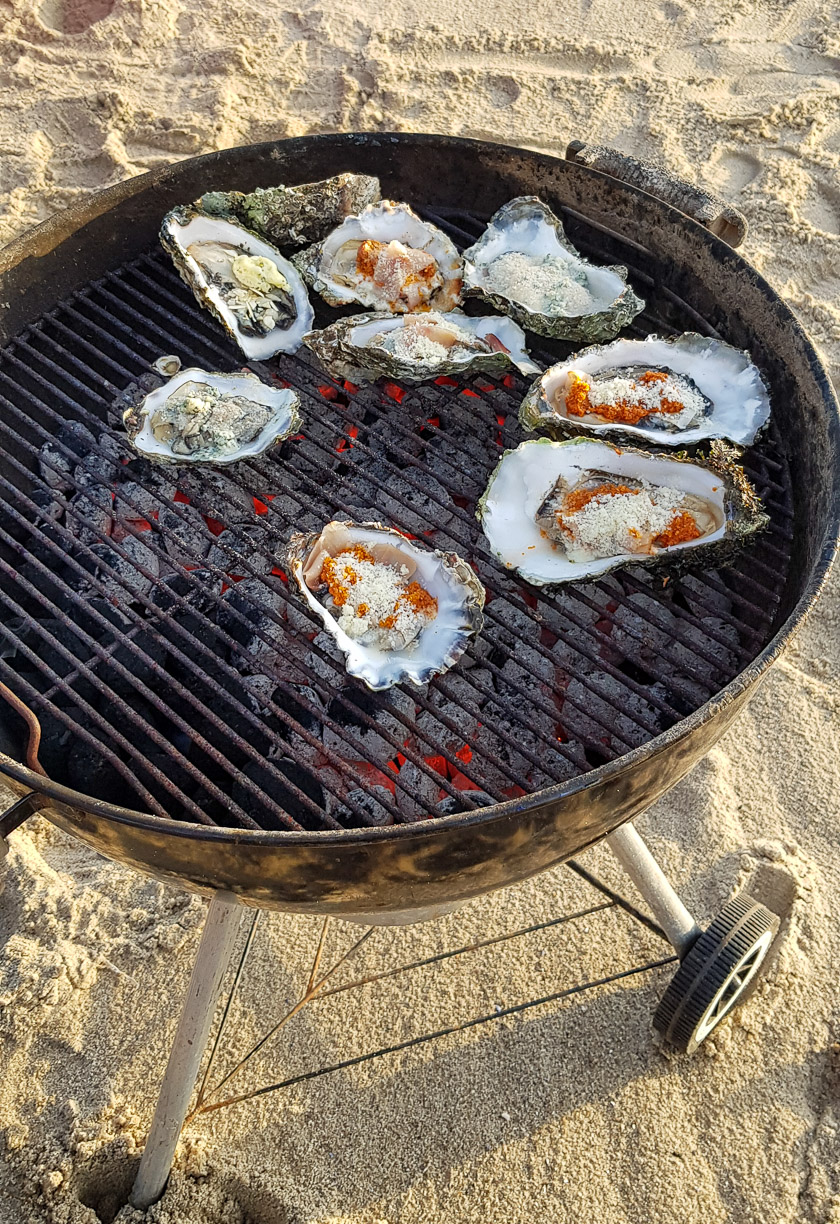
(564, 511)
(398, 612)
(387, 259)
(415, 347)
(525, 266)
(667, 392)
(293, 216)
(256, 294)
(198, 417)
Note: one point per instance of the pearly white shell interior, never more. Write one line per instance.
(511, 334)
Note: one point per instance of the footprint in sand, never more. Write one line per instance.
(503, 90)
(822, 208)
(73, 16)
(732, 170)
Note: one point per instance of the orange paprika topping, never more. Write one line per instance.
(578, 498)
(339, 577)
(680, 530)
(623, 412)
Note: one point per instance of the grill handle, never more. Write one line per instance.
(703, 206)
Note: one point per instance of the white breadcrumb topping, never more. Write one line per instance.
(428, 339)
(650, 395)
(548, 285)
(378, 610)
(617, 523)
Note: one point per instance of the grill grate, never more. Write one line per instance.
(164, 708)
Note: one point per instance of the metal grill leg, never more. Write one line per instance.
(214, 952)
(643, 869)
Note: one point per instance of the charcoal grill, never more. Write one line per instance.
(135, 635)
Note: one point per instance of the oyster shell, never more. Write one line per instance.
(293, 216)
(256, 294)
(708, 389)
(199, 417)
(386, 258)
(525, 265)
(564, 511)
(415, 347)
(433, 600)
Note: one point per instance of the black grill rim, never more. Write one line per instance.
(51, 233)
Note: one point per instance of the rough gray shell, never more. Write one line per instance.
(520, 224)
(294, 216)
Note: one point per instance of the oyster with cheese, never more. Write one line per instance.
(416, 347)
(200, 417)
(667, 392)
(387, 259)
(565, 511)
(525, 266)
(398, 612)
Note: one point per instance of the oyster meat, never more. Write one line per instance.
(565, 511)
(398, 612)
(415, 347)
(256, 294)
(200, 417)
(388, 259)
(293, 216)
(525, 266)
(668, 392)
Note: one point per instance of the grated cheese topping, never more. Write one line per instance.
(544, 286)
(427, 339)
(199, 419)
(377, 604)
(612, 519)
(629, 399)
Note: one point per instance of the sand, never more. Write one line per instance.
(570, 1112)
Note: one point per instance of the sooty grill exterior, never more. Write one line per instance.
(406, 869)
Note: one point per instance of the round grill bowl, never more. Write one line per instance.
(403, 870)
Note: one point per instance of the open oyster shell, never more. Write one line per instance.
(352, 265)
(363, 347)
(266, 308)
(727, 395)
(150, 427)
(525, 265)
(293, 216)
(445, 576)
(520, 490)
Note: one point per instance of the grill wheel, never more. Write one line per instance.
(718, 972)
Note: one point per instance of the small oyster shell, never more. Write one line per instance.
(284, 420)
(187, 233)
(519, 488)
(293, 216)
(358, 347)
(331, 266)
(459, 594)
(737, 400)
(599, 300)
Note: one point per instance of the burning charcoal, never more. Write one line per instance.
(140, 470)
(132, 395)
(417, 793)
(282, 794)
(96, 465)
(252, 600)
(53, 586)
(55, 467)
(248, 541)
(437, 737)
(133, 502)
(371, 802)
(127, 582)
(145, 667)
(76, 437)
(263, 689)
(47, 504)
(184, 534)
(452, 804)
(197, 587)
(116, 447)
(84, 617)
(89, 515)
(215, 494)
(173, 771)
